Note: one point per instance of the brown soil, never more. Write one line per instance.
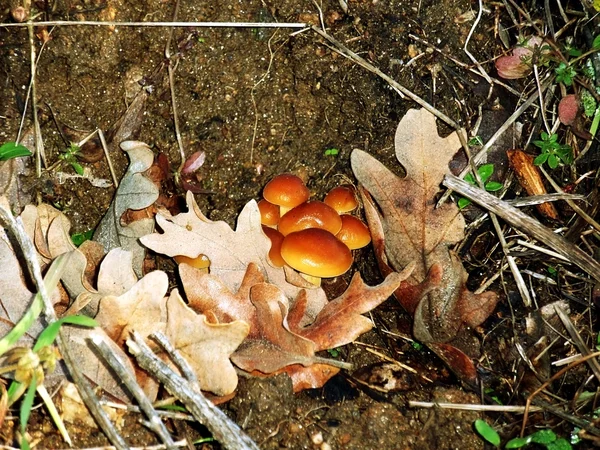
(259, 102)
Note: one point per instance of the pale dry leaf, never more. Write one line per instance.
(230, 252)
(142, 308)
(207, 347)
(135, 192)
(115, 277)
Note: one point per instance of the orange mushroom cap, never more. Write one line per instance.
(316, 252)
(269, 213)
(354, 233)
(342, 198)
(276, 239)
(286, 190)
(313, 214)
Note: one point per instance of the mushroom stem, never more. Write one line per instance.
(314, 280)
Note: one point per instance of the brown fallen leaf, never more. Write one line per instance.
(415, 230)
(205, 346)
(275, 346)
(207, 294)
(530, 178)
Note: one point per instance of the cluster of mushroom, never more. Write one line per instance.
(315, 238)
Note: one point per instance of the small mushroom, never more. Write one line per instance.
(342, 199)
(286, 191)
(276, 239)
(269, 213)
(316, 253)
(354, 233)
(313, 214)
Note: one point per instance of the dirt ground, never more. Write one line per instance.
(259, 102)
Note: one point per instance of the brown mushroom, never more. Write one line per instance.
(269, 213)
(312, 214)
(354, 233)
(342, 199)
(276, 239)
(286, 191)
(316, 253)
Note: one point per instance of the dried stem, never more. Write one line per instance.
(229, 434)
(525, 223)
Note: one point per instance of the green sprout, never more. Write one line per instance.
(80, 238)
(484, 172)
(10, 150)
(553, 152)
(565, 74)
(70, 157)
(331, 152)
(487, 433)
(475, 141)
(545, 437)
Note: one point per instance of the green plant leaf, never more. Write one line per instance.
(559, 444)
(543, 436)
(552, 161)
(77, 167)
(25, 410)
(541, 159)
(10, 150)
(485, 172)
(48, 335)
(493, 186)
(463, 202)
(486, 431)
(518, 442)
(469, 178)
(596, 42)
(80, 238)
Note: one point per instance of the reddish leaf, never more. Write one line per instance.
(340, 321)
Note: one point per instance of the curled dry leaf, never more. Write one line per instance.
(410, 228)
(530, 179)
(518, 64)
(135, 192)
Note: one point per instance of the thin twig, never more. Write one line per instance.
(525, 223)
(577, 340)
(63, 23)
(471, 407)
(179, 360)
(229, 434)
(466, 50)
(40, 155)
(128, 379)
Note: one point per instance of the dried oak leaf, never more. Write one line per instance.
(135, 192)
(207, 347)
(142, 308)
(230, 252)
(206, 294)
(341, 321)
(275, 346)
(415, 230)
